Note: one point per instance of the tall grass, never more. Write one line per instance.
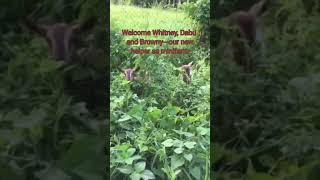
(136, 18)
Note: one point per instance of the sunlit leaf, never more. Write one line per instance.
(140, 166)
(190, 144)
(147, 174)
(168, 143)
(177, 161)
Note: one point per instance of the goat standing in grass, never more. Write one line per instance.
(187, 72)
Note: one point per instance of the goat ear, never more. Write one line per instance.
(258, 8)
(190, 63)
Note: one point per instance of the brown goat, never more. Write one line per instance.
(59, 36)
(247, 23)
(187, 72)
(129, 73)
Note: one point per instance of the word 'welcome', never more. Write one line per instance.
(158, 32)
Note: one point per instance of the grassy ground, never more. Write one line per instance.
(130, 17)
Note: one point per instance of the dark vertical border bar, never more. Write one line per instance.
(107, 125)
(211, 85)
(213, 42)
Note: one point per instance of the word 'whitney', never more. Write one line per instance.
(158, 32)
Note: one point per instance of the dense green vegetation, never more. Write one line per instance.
(160, 129)
(265, 124)
(50, 124)
(270, 117)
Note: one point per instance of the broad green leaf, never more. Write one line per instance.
(189, 144)
(176, 161)
(188, 156)
(125, 169)
(178, 150)
(124, 118)
(143, 148)
(135, 176)
(178, 143)
(167, 143)
(123, 147)
(131, 159)
(195, 172)
(136, 111)
(147, 174)
(167, 123)
(171, 110)
(203, 131)
(131, 151)
(154, 114)
(140, 166)
(187, 134)
(177, 172)
(190, 119)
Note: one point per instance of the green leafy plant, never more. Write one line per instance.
(266, 122)
(164, 124)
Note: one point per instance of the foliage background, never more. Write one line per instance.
(50, 126)
(270, 117)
